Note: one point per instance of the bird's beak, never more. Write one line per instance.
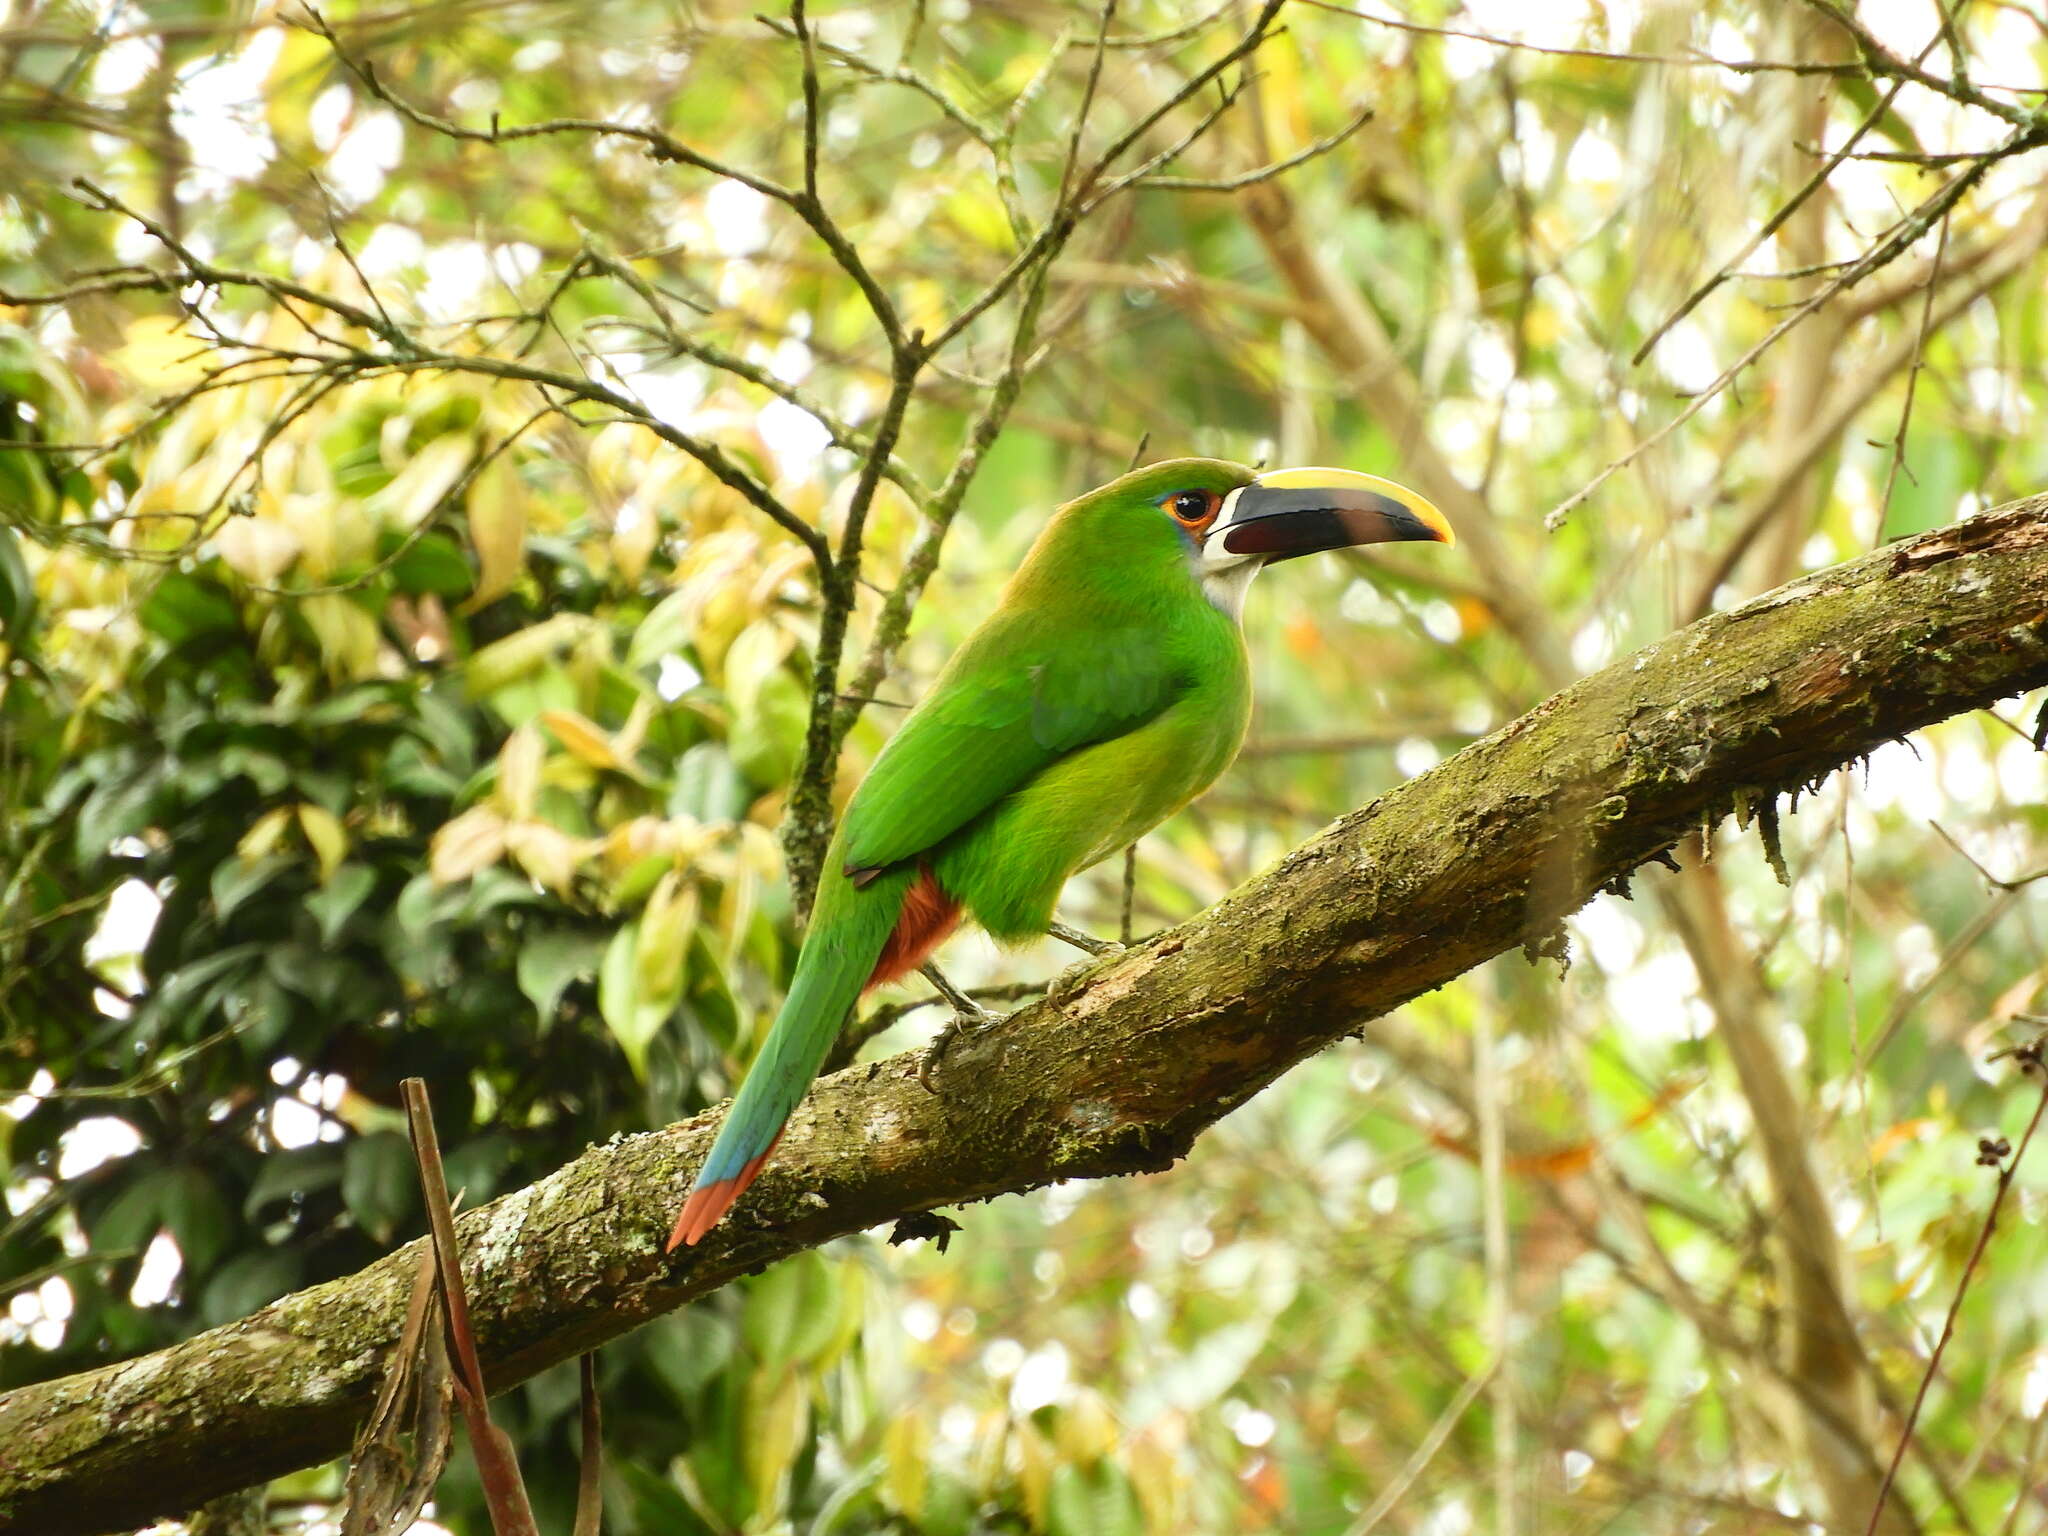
(1289, 512)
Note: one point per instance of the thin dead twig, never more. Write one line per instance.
(1903, 235)
(1992, 1153)
(590, 1464)
(1776, 221)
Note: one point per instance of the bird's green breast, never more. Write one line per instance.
(1009, 864)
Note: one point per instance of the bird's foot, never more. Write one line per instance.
(971, 1021)
(1086, 942)
(969, 1018)
(1076, 976)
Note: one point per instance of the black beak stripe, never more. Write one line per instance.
(1282, 522)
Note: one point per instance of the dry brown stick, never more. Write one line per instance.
(416, 1386)
(1483, 854)
(497, 1466)
(590, 1467)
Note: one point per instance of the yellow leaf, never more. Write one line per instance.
(519, 765)
(736, 911)
(348, 636)
(159, 354)
(508, 660)
(666, 926)
(778, 1410)
(978, 213)
(257, 549)
(582, 737)
(1160, 1480)
(288, 98)
(634, 731)
(547, 853)
(497, 530)
(1086, 1431)
(325, 833)
(906, 1451)
(635, 532)
(428, 476)
(1034, 1472)
(2015, 998)
(472, 841)
(263, 837)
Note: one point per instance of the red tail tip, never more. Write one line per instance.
(708, 1202)
(701, 1212)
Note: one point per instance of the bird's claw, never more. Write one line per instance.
(960, 1024)
(1075, 976)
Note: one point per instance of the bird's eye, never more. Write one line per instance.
(1193, 506)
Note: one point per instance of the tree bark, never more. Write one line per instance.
(1486, 852)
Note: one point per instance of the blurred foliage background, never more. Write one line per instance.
(401, 720)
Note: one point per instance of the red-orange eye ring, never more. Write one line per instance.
(1194, 510)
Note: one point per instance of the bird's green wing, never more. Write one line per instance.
(1008, 706)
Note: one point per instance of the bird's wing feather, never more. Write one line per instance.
(1006, 709)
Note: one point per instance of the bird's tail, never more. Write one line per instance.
(856, 940)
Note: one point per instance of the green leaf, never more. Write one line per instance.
(689, 1349)
(1096, 1500)
(266, 770)
(379, 1183)
(792, 1311)
(334, 903)
(477, 1167)
(445, 727)
(199, 1219)
(708, 786)
(523, 698)
(247, 1282)
(117, 808)
(633, 1019)
(17, 592)
(436, 564)
(768, 731)
(353, 705)
(292, 1171)
(549, 961)
(131, 1218)
(326, 981)
(665, 630)
(183, 607)
(236, 879)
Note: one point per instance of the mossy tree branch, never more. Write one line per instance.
(1119, 1074)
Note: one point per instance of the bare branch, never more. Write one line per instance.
(1265, 172)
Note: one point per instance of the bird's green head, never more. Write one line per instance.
(1222, 523)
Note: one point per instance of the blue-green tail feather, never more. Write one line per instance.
(846, 938)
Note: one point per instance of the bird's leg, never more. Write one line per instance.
(1083, 941)
(969, 1017)
(1073, 975)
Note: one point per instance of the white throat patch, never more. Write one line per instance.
(1225, 588)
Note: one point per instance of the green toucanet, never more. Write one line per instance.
(1108, 688)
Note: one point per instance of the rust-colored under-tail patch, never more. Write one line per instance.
(929, 915)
